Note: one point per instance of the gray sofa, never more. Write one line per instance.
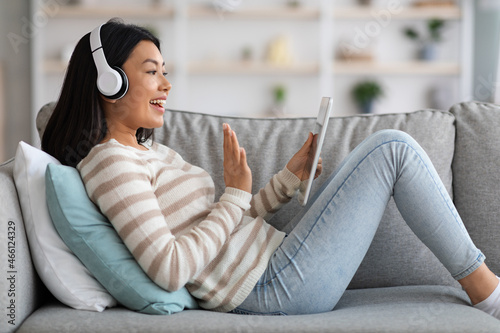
(400, 286)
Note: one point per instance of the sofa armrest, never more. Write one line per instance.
(20, 288)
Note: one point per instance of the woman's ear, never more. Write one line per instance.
(108, 100)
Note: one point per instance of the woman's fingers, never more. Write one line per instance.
(243, 156)
(232, 150)
(306, 147)
(319, 168)
(237, 174)
(227, 142)
(235, 146)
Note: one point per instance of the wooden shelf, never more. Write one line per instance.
(395, 68)
(252, 68)
(88, 12)
(56, 66)
(271, 12)
(210, 12)
(427, 12)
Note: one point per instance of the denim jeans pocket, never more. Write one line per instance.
(253, 313)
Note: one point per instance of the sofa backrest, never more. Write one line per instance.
(396, 256)
(476, 175)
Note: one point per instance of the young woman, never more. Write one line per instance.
(223, 250)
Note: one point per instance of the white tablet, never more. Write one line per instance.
(320, 129)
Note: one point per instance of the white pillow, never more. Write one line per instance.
(59, 269)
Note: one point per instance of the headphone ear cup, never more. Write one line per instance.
(111, 82)
(124, 87)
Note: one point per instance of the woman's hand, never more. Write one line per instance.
(300, 163)
(237, 173)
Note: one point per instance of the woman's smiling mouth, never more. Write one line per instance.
(158, 104)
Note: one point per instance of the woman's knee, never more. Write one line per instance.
(391, 135)
(382, 137)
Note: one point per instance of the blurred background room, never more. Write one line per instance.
(264, 58)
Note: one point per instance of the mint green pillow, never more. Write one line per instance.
(92, 238)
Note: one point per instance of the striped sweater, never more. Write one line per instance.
(164, 210)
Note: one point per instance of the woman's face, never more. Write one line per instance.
(143, 105)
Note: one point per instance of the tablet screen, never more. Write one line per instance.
(319, 128)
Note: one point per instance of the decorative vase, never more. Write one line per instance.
(428, 52)
(366, 107)
(278, 110)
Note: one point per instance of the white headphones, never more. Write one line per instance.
(111, 82)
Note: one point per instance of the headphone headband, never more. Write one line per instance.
(111, 82)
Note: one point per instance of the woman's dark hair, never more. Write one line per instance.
(77, 123)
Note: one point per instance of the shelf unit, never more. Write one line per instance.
(224, 74)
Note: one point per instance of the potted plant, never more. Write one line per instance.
(365, 93)
(427, 50)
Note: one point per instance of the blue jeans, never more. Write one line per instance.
(311, 269)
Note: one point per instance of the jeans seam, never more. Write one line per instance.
(477, 262)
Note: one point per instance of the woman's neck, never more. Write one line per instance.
(125, 138)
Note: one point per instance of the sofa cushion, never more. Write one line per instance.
(93, 239)
(476, 175)
(380, 310)
(59, 269)
(396, 256)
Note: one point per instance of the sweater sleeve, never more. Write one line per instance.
(121, 186)
(280, 190)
